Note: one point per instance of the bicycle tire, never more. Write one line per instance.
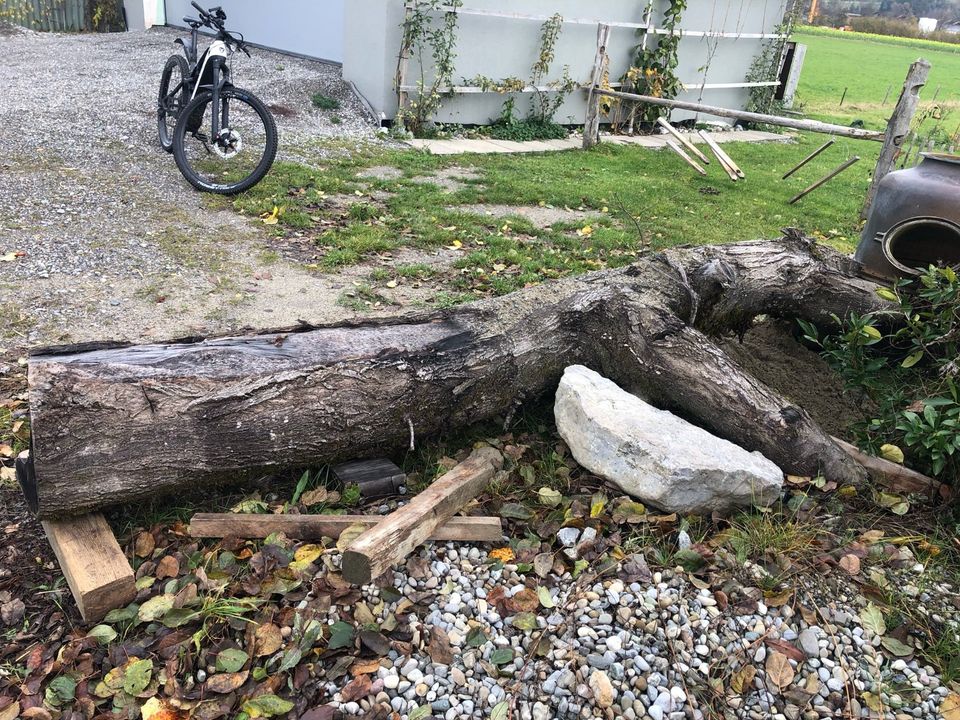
(262, 168)
(173, 62)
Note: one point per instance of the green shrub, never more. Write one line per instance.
(906, 362)
(324, 102)
(520, 130)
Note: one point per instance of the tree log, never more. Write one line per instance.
(115, 424)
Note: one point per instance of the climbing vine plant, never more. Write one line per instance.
(547, 98)
(423, 34)
(653, 71)
(766, 66)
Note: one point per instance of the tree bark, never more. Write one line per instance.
(115, 424)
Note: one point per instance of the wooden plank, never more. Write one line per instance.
(680, 151)
(896, 477)
(898, 127)
(95, 567)
(396, 536)
(314, 527)
(825, 179)
(721, 154)
(591, 125)
(796, 124)
(682, 140)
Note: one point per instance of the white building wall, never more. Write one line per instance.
(502, 47)
(307, 27)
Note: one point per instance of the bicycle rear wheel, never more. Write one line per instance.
(172, 98)
(240, 156)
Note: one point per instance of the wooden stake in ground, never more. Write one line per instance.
(898, 127)
(96, 570)
(591, 125)
(314, 527)
(683, 140)
(808, 158)
(825, 179)
(396, 536)
(680, 151)
(729, 166)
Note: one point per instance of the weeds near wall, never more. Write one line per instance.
(766, 66)
(911, 373)
(421, 34)
(547, 99)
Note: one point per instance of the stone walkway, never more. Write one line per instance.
(485, 146)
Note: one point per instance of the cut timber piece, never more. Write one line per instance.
(396, 536)
(96, 570)
(824, 180)
(724, 159)
(376, 478)
(116, 424)
(314, 527)
(682, 140)
(689, 160)
(897, 477)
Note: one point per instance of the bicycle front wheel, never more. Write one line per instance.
(240, 155)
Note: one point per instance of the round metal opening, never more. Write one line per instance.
(920, 242)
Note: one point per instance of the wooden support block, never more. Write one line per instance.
(728, 164)
(314, 527)
(396, 536)
(98, 573)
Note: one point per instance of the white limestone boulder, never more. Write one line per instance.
(654, 455)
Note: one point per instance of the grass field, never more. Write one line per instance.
(867, 66)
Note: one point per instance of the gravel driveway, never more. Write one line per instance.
(100, 236)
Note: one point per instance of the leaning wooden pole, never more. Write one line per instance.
(898, 127)
(794, 123)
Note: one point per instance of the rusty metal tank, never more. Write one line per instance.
(914, 220)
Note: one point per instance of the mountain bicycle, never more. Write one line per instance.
(223, 138)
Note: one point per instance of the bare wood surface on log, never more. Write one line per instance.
(400, 532)
(98, 573)
(114, 425)
(314, 527)
(897, 477)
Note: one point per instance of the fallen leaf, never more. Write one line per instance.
(549, 496)
(742, 680)
(872, 619)
(315, 497)
(144, 544)
(895, 647)
(525, 621)
(892, 452)
(136, 676)
(155, 608)
(525, 600)
(779, 670)
(950, 707)
(439, 648)
(503, 554)
(168, 567)
(356, 689)
(267, 640)
(791, 651)
(350, 534)
(543, 564)
(545, 598)
(365, 667)
(850, 563)
(267, 706)
(224, 683)
(231, 660)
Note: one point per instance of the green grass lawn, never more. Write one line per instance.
(867, 66)
(641, 199)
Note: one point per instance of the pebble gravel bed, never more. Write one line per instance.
(609, 648)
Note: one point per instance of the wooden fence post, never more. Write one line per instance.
(898, 127)
(591, 125)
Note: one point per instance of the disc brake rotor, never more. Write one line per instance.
(228, 143)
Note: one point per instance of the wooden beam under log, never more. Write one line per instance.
(118, 424)
(314, 527)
